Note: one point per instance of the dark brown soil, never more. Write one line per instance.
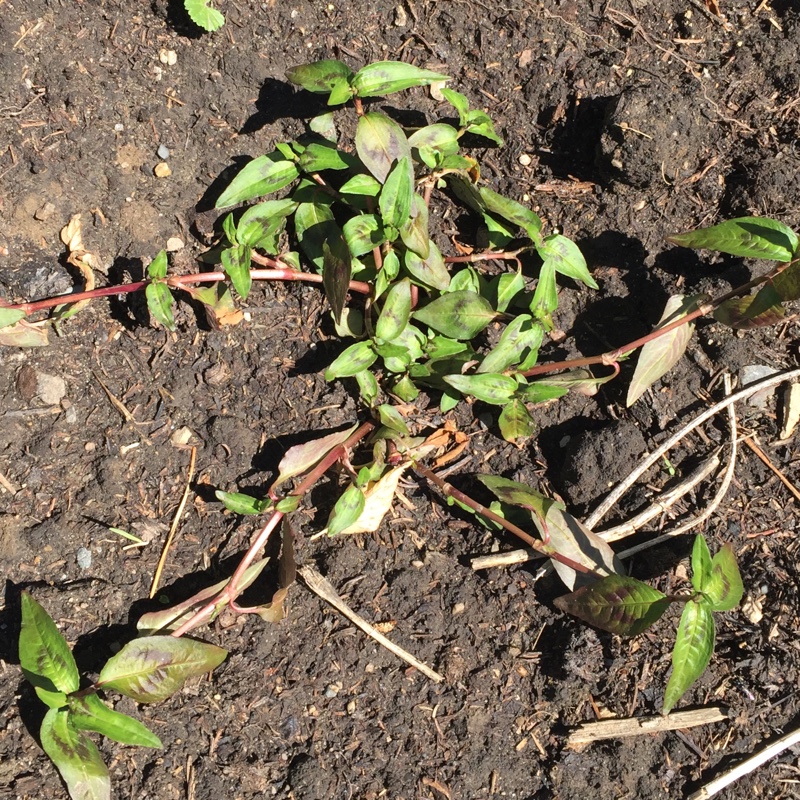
(640, 119)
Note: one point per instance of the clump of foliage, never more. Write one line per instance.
(149, 669)
(356, 218)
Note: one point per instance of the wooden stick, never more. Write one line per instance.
(175, 522)
(746, 767)
(323, 588)
(742, 394)
(636, 726)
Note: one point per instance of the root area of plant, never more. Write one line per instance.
(624, 123)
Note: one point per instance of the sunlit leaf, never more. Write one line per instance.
(90, 713)
(724, 587)
(397, 193)
(414, 233)
(521, 336)
(325, 126)
(617, 604)
(367, 386)
(170, 619)
(566, 257)
(218, 304)
(396, 311)
(354, 359)
(754, 311)
(347, 510)
(157, 268)
(152, 668)
(479, 123)
(314, 225)
(44, 654)
(23, 334)
(300, 458)
(380, 141)
(8, 316)
(430, 271)
(385, 77)
(545, 296)
(76, 757)
(259, 224)
(261, 176)
(360, 184)
(457, 315)
(489, 388)
(519, 494)
(392, 419)
(160, 303)
(701, 564)
(458, 101)
(574, 380)
(337, 267)
(750, 237)
(434, 142)
(319, 156)
(209, 19)
(236, 263)
(512, 211)
(694, 645)
(787, 282)
(320, 76)
(378, 498)
(660, 355)
(242, 503)
(363, 233)
(508, 286)
(515, 421)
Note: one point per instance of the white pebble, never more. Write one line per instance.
(525, 160)
(84, 557)
(163, 152)
(119, 127)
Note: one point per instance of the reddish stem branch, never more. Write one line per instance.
(448, 490)
(507, 255)
(231, 590)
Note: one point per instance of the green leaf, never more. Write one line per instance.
(236, 263)
(405, 389)
(515, 421)
(396, 311)
(9, 316)
(336, 271)
(319, 156)
(76, 757)
(320, 76)
(701, 564)
(545, 297)
(490, 388)
(414, 233)
(724, 587)
(314, 225)
(512, 211)
(261, 176)
(361, 185)
(392, 419)
(229, 228)
(660, 355)
(450, 399)
(566, 257)
(380, 141)
(694, 645)
(44, 654)
(324, 125)
(152, 668)
(367, 386)
(363, 234)
(457, 315)
(750, 237)
(519, 494)
(260, 223)
(787, 282)
(441, 347)
(354, 359)
(466, 280)
(209, 19)
(507, 287)
(434, 142)
(521, 336)
(575, 380)
(157, 268)
(616, 604)
(241, 503)
(430, 271)
(347, 510)
(386, 77)
(541, 392)
(458, 101)
(160, 303)
(90, 713)
(754, 311)
(480, 123)
(397, 193)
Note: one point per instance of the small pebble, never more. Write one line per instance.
(119, 127)
(84, 557)
(525, 160)
(162, 170)
(168, 57)
(163, 152)
(174, 243)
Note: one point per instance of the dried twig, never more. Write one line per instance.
(636, 726)
(175, 522)
(742, 394)
(763, 456)
(746, 767)
(322, 587)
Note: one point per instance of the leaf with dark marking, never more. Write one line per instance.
(380, 141)
(617, 604)
(724, 587)
(336, 270)
(753, 237)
